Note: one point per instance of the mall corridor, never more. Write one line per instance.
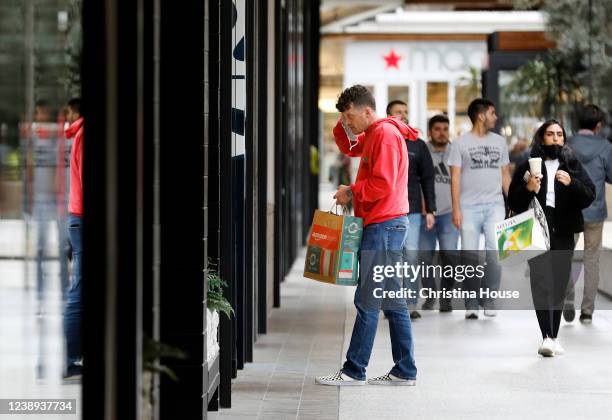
(161, 163)
(484, 369)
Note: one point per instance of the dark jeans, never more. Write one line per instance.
(549, 276)
(385, 236)
(64, 252)
(72, 313)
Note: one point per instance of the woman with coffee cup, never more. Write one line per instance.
(563, 188)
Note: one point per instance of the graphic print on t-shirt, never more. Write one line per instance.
(442, 173)
(484, 157)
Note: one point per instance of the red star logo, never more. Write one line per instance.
(392, 59)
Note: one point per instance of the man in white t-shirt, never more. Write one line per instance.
(479, 175)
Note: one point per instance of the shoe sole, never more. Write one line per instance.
(340, 383)
(569, 316)
(546, 352)
(490, 315)
(393, 383)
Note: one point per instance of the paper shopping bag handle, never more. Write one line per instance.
(334, 207)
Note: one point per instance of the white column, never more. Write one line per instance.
(451, 106)
(413, 102)
(422, 120)
(381, 93)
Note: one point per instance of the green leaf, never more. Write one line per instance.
(215, 300)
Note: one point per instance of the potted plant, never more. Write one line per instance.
(215, 303)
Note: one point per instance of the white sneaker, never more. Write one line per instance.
(391, 380)
(558, 349)
(490, 312)
(471, 314)
(339, 378)
(547, 349)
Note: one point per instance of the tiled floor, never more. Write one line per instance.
(484, 369)
(305, 338)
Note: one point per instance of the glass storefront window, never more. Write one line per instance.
(437, 98)
(466, 90)
(520, 117)
(40, 49)
(398, 93)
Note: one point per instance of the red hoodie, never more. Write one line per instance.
(75, 205)
(380, 191)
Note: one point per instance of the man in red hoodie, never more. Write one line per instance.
(380, 197)
(72, 313)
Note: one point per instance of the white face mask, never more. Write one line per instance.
(351, 136)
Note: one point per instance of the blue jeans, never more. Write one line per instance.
(443, 232)
(477, 219)
(64, 249)
(385, 236)
(446, 235)
(72, 313)
(411, 251)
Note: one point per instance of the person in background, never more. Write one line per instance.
(72, 312)
(380, 197)
(443, 232)
(563, 189)
(41, 160)
(479, 177)
(420, 178)
(595, 153)
(519, 153)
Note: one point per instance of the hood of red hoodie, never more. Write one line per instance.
(72, 130)
(405, 130)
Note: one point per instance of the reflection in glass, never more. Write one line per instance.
(40, 43)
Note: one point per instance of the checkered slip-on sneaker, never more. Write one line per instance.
(391, 380)
(339, 378)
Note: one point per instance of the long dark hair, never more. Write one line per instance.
(567, 154)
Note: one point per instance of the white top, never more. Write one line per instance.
(551, 170)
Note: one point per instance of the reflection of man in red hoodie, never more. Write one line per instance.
(72, 314)
(380, 197)
(75, 130)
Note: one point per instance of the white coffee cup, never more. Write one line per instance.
(535, 166)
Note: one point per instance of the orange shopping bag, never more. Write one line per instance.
(333, 243)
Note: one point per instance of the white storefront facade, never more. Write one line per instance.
(417, 66)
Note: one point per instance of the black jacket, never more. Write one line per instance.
(420, 177)
(569, 200)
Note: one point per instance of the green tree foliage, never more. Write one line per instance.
(73, 51)
(582, 58)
